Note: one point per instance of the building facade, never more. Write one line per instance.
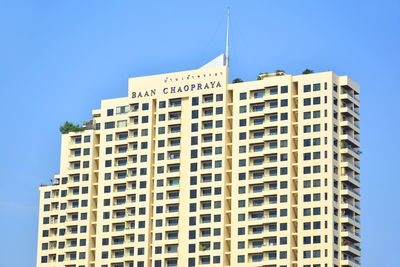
(189, 170)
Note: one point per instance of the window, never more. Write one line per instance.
(86, 151)
(307, 88)
(307, 212)
(161, 104)
(307, 142)
(283, 212)
(208, 98)
(316, 141)
(307, 156)
(307, 254)
(109, 125)
(122, 123)
(195, 127)
(316, 127)
(284, 143)
(284, 89)
(110, 112)
(241, 231)
(307, 101)
(316, 253)
(242, 162)
(175, 102)
(316, 211)
(86, 139)
(259, 94)
(307, 184)
(243, 96)
(240, 259)
(194, 140)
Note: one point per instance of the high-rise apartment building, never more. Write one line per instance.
(188, 170)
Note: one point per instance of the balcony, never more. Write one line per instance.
(175, 142)
(258, 94)
(258, 121)
(350, 139)
(350, 111)
(350, 220)
(355, 237)
(174, 155)
(351, 179)
(175, 129)
(173, 182)
(257, 108)
(351, 248)
(349, 150)
(208, 99)
(349, 124)
(350, 98)
(353, 166)
(350, 206)
(175, 103)
(205, 246)
(348, 261)
(350, 192)
(175, 116)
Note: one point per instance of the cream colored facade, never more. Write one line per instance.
(188, 170)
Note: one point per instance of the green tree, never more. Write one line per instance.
(237, 80)
(279, 72)
(258, 77)
(308, 71)
(70, 127)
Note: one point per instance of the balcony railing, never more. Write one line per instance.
(351, 190)
(352, 246)
(352, 97)
(351, 218)
(352, 260)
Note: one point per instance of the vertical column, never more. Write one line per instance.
(294, 175)
(94, 199)
(184, 183)
(228, 178)
(152, 159)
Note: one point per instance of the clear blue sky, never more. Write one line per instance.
(59, 59)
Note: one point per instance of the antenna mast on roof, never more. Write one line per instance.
(227, 41)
